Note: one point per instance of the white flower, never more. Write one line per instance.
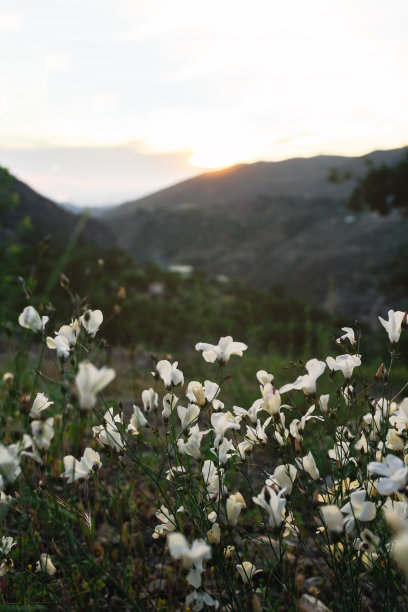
(264, 378)
(70, 332)
(307, 382)
(252, 412)
(150, 399)
(214, 534)
(40, 403)
(233, 510)
(223, 449)
(30, 319)
(358, 509)
(283, 477)
(43, 433)
(10, 461)
(297, 426)
(398, 550)
(247, 571)
(332, 517)
(7, 544)
(395, 474)
(187, 415)
(221, 352)
(272, 399)
(109, 434)
(89, 463)
(61, 344)
(90, 381)
(214, 483)
(169, 403)
(396, 514)
(91, 320)
(308, 464)
(192, 556)
(169, 373)
(349, 335)
(396, 321)
(273, 503)
(341, 452)
(137, 420)
(45, 565)
(200, 598)
(168, 521)
(192, 446)
(345, 363)
(199, 394)
(395, 440)
(324, 402)
(221, 422)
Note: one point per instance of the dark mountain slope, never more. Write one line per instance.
(47, 218)
(269, 223)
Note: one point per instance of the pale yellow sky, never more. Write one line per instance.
(172, 87)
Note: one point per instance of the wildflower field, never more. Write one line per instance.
(126, 485)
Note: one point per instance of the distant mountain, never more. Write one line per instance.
(273, 222)
(48, 218)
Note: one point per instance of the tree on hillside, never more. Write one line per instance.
(382, 189)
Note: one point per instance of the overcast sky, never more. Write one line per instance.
(104, 101)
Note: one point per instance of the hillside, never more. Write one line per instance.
(269, 223)
(48, 219)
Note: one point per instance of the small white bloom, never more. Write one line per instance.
(43, 433)
(137, 420)
(214, 534)
(40, 403)
(90, 381)
(109, 434)
(273, 503)
(272, 399)
(324, 402)
(91, 320)
(10, 461)
(170, 375)
(398, 550)
(213, 481)
(221, 423)
(223, 351)
(61, 345)
(30, 319)
(349, 335)
(89, 463)
(169, 403)
(283, 477)
(233, 510)
(247, 571)
(308, 464)
(191, 556)
(358, 509)
(307, 382)
(394, 471)
(192, 446)
(45, 565)
(199, 394)
(264, 378)
(394, 325)
(150, 399)
(188, 415)
(7, 544)
(345, 363)
(70, 332)
(332, 517)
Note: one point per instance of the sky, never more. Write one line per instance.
(102, 102)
